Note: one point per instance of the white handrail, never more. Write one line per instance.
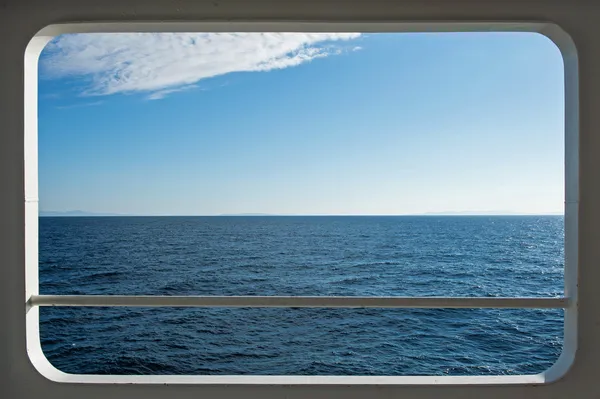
(296, 301)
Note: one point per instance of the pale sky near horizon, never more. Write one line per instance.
(207, 124)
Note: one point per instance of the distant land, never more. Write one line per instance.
(249, 214)
(75, 213)
(446, 213)
(486, 213)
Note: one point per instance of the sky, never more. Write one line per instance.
(303, 124)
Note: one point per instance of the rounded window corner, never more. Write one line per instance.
(42, 366)
(560, 38)
(561, 368)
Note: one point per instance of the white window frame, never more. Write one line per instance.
(568, 302)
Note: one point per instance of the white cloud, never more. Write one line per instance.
(158, 95)
(163, 63)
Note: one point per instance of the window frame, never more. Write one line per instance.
(552, 31)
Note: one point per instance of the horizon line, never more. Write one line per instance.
(306, 215)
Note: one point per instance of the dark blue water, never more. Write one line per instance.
(397, 256)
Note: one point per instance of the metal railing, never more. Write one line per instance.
(297, 301)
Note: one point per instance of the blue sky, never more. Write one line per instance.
(301, 124)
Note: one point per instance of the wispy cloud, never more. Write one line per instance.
(158, 95)
(89, 104)
(164, 63)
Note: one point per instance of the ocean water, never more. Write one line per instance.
(491, 256)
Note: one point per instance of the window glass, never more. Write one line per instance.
(312, 164)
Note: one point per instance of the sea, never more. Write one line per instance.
(474, 256)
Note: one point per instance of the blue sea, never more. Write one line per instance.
(489, 256)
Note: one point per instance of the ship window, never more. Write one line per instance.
(220, 206)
